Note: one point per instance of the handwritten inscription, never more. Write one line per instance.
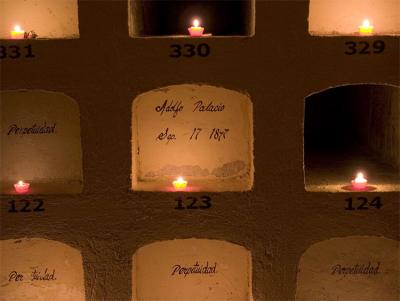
(165, 135)
(174, 107)
(194, 269)
(35, 129)
(199, 106)
(357, 269)
(215, 134)
(36, 275)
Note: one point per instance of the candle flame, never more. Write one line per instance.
(179, 183)
(196, 23)
(20, 182)
(360, 178)
(17, 28)
(366, 23)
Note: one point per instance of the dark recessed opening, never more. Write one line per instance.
(172, 18)
(349, 129)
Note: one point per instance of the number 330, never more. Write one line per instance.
(189, 50)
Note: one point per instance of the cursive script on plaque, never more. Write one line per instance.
(166, 135)
(35, 275)
(35, 129)
(199, 106)
(356, 269)
(173, 107)
(196, 268)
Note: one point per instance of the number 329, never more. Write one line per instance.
(364, 47)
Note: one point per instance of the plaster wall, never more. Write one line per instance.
(383, 134)
(277, 220)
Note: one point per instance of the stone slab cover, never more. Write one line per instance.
(200, 132)
(40, 142)
(191, 269)
(357, 268)
(37, 269)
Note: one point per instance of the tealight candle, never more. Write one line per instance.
(359, 183)
(366, 28)
(21, 187)
(17, 33)
(179, 184)
(196, 30)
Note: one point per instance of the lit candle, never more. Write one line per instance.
(21, 187)
(179, 184)
(359, 183)
(17, 33)
(196, 30)
(366, 28)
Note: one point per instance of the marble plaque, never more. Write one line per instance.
(357, 268)
(40, 269)
(199, 132)
(191, 269)
(40, 142)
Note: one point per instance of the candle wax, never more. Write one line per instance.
(21, 187)
(17, 33)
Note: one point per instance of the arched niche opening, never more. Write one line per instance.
(40, 269)
(48, 19)
(350, 268)
(153, 18)
(40, 143)
(348, 17)
(201, 133)
(351, 129)
(191, 269)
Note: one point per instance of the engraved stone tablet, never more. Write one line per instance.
(201, 133)
(357, 268)
(191, 269)
(40, 269)
(40, 142)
